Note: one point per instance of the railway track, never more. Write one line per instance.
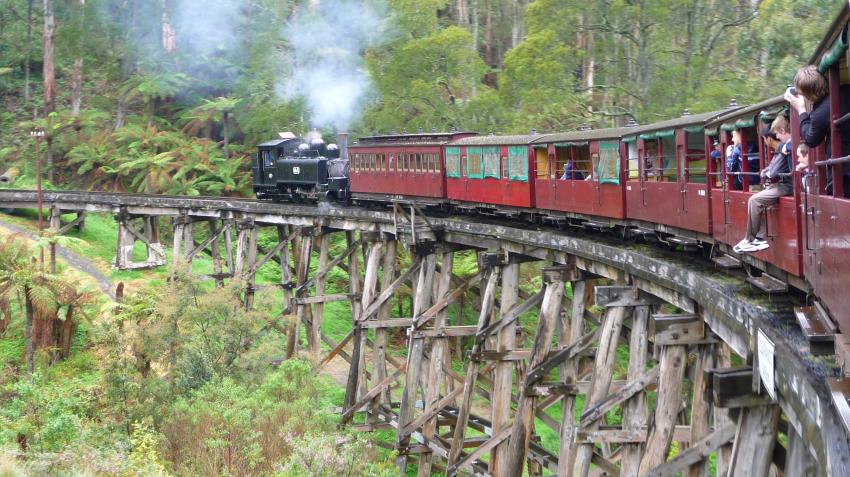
(811, 408)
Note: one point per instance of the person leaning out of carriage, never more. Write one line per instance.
(777, 179)
(810, 98)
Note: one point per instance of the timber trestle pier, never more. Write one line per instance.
(718, 379)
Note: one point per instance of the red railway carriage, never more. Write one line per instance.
(582, 172)
(491, 170)
(826, 227)
(400, 165)
(667, 185)
(729, 206)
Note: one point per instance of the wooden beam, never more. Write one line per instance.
(673, 363)
(634, 410)
(311, 300)
(349, 413)
(610, 296)
(611, 436)
(447, 331)
(678, 329)
(595, 412)
(521, 433)
(698, 452)
(512, 316)
(539, 372)
(388, 292)
(391, 323)
(491, 443)
(752, 453)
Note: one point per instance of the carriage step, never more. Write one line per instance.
(768, 284)
(818, 329)
(840, 390)
(726, 262)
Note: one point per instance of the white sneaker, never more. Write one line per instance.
(760, 245)
(743, 246)
(757, 241)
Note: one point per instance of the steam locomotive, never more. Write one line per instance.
(301, 169)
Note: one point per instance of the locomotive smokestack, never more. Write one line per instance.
(342, 140)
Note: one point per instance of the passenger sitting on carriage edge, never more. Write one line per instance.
(570, 173)
(778, 138)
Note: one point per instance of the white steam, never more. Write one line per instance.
(204, 28)
(326, 61)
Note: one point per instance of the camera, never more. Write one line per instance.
(792, 90)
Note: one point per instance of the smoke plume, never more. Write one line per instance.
(326, 62)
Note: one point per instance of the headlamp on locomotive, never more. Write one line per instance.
(300, 169)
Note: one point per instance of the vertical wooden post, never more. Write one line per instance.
(723, 359)
(606, 356)
(379, 354)
(215, 252)
(126, 241)
(752, 452)
(421, 301)
(572, 328)
(179, 226)
(55, 218)
(701, 405)
(436, 361)
(251, 260)
(673, 362)
(370, 284)
(488, 298)
(318, 317)
(799, 462)
(634, 410)
(352, 386)
(188, 240)
(301, 277)
(156, 254)
(549, 313)
(503, 374)
(81, 220)
(228, 251)
(285, 270)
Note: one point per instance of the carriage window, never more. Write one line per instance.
(437, 167)
(518, 164)
(668, 165)
(541, 158)
(492, 167)
(505, 170)
(606, 164)
(695, 166)
(562, 158)
(474, 167)
(634, 163)
(581, 160)
(392, 162)
(453, 161)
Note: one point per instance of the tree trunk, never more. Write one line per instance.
(66, 334)
(77, 88)
(225, 132)
(462, 14)
(49, 71)
(28, 332)
(29, 52)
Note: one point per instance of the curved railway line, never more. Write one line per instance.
(779, 410)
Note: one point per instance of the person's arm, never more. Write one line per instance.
(814, 126)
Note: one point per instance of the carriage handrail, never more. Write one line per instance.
(832, 162)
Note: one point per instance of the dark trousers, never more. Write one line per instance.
(757, 208)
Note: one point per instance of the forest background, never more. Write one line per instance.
(172, 96)
(156, 95)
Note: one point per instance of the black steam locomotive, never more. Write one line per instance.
(301, 169)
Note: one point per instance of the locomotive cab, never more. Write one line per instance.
(292, 168)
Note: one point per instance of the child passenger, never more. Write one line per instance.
(778, 183)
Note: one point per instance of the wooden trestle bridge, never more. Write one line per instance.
(777, 411)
